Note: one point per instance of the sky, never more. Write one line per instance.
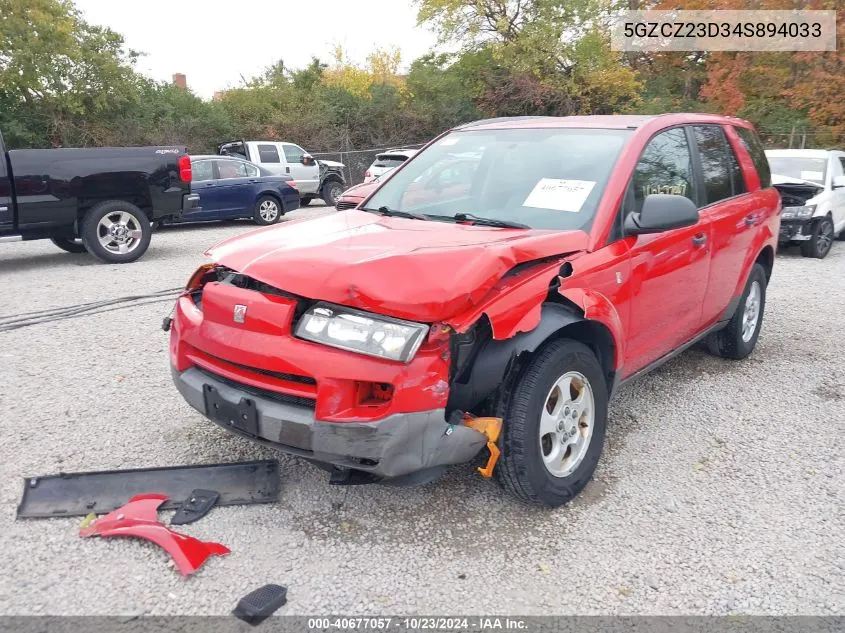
(216, 42)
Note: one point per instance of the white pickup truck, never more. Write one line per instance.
(314, 178)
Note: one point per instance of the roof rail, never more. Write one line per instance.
(501, 119)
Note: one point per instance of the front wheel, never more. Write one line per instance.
(116, 231)
(304, 202)
(555, 423)
(819, 244)
(69, 244)
(267, 211)
(332, 190)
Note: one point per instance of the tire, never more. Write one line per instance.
(69, 244)
(841, 235)
(304, 202)
(818, 246)
(738, 339)
(268, 210)
(125, 223)
(522, 469)
(331, 192)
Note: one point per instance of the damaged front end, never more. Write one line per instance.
(362, 381)
(799, 208)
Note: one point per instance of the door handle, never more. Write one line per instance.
(287, 170)
(751, 220)
(4, 208)
(699, 239)
(253, 179)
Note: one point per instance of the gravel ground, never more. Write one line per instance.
(720, 491)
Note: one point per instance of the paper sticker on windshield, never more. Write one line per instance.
(560, 195)
(812, 175)
(449, 141)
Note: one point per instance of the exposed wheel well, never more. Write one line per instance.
(599, 339)
(766, 259)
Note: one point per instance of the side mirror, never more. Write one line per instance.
(307, 160)
(662, 212)
(838, 182)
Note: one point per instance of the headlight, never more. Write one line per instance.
(361, 332)
(798, 213)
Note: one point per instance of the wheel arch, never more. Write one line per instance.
(497, 363)
(766, 258)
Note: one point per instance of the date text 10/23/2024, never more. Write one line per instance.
(418, 623)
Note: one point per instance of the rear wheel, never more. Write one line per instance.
(819, 244)
(738, 339)
(331, 192)
(116, 231)
(555, 422)
(268, 210)
(69, 244)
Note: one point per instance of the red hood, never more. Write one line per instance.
(424, 271)
(359, 191)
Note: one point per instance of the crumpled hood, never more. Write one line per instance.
(795, 191)
(330, 163)
(423, 271)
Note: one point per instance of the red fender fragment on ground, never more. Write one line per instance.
(139, 518)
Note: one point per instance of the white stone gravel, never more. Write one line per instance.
(721, 489)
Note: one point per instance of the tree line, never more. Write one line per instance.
(66, 82)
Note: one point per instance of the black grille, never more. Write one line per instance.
(302, 380)
(305, 403)
(342, 206)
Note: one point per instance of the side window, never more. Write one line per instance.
(252, 171)
(664, 167)
(202, 170)
(758, 155)
(231, 169)
(293, 153)
(268, 154)
(713, 153)
(737, 177)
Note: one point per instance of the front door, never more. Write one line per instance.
(234, 189)
(837, 207)
(668, 270)
(307, 177)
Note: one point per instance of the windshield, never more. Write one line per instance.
(812, 169)
(540, 178)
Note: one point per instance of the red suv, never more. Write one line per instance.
(487, 299)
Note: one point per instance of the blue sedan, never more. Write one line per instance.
(232, 189)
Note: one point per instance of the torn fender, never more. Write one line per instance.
(497, 356)
(514, 304)
(596, 307)
(139, 518)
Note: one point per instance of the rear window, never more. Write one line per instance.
(758, 155)
(389, 160)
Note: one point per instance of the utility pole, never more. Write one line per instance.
(791, 135)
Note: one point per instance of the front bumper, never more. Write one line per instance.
(795, 230)
(394, 446)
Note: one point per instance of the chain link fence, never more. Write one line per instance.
(357, 161)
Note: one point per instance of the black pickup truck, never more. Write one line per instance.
(99, 200)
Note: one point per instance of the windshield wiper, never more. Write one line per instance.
(396, 213)
(469, 217)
